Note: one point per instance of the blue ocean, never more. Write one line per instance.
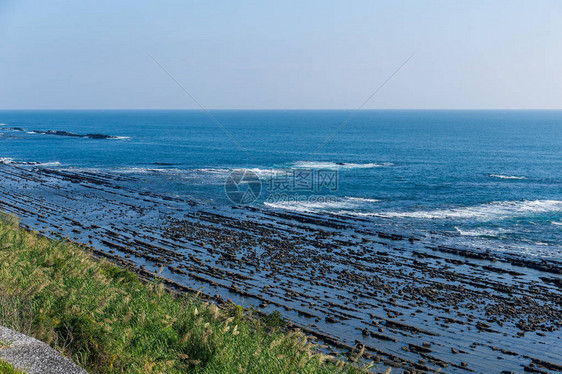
(488, 180)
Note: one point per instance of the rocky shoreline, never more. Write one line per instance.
(407, 301)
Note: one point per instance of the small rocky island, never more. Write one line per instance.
(61, 133)
(66, 133)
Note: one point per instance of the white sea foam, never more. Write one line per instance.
(223, 172)
(556, 223)
(8, 160)
(307, 206)
(265, 173)
(209, 172)
(315, 204)
(202, 175)
(337, 165)
(138, 170)
(482, 232)
(356, 214)
(121, 137)
(506, 176)
(362, 199)
(54, 163)
(490, 211)
(262, 173)
(3, 124)
(212, 171)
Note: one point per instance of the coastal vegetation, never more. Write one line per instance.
(108, 321)
(6, 368)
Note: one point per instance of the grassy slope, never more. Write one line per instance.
(109, 322)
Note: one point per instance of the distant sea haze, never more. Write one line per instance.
(482, 179)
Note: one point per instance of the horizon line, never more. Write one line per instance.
(281, 109)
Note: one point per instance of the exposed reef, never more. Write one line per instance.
(408, 301)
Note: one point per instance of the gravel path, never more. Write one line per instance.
(33, 356)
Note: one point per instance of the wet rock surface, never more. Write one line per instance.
(408, 302)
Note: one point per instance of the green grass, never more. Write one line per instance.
(108, 321)
(6, 368)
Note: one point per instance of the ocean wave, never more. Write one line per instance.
(120, 137)
(362, 199)
(306, 206)
(266, 173)
(216, 173)
(8, 160)
(262, 173)
(337, 165)
(225, 172)
(140, 170)
(483, 212)
(506, 176)
(54, 163)
(318, 204)
(556, 223)
(482, 232)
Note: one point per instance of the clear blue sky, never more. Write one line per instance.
(280, 54)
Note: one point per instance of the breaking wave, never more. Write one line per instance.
(54, 163)
(489, 211)
(482, 232)
(362, 199)
(317, 204)
(8, 160)
(337, 165)
(506, 176)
